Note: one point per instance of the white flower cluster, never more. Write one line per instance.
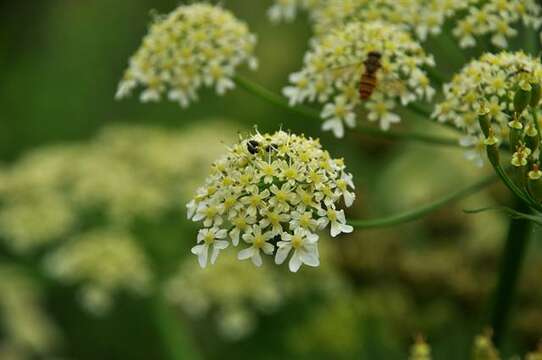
(488, 86)
(44, 194)
(27, 332)
(105, 261)
(196, 45)
(496, 18)
(473, 18)
(333, 68)
(234, 297)
(286, 10)
(421, 17)
(273, 192)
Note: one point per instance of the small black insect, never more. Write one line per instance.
(252, 146)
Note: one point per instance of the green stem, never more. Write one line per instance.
(313, 114)
(410, 136)
(274, 98)
(437, 78)
(513, 255)
(420, 110)
(514, 188)
(426, 115)
(176, 340)
(425, 209)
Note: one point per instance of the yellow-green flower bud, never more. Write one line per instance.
(484, 348)
(532, 139)
(491, 148)
(521, 156)
(536, 93)
(535, 173)
(521, 100)
(420, 350)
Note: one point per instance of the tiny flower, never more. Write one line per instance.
(535, 173)
(209, 213)
(275, 219)
(477, 145)
(337, 220)
(335, 63)
(270, 187)
(240, 222)
(210, 238)
(283, 197)
(519, 158)
(305, 249)
(344, 184)
(258, 243)
(303, 220)
(195, 45)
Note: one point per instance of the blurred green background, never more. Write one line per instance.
(60, 64)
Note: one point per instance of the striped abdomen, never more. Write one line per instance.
(367, 85)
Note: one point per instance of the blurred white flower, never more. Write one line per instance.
(195, 45)
(230, 289)
(26, 329)
(104, 262)
(496, 18)
(46, 195)
(472, 19)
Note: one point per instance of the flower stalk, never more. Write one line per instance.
(424, 210)
(307, 112)
(513, 255)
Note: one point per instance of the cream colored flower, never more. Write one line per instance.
(104, 261)
(195, 45)
(303, 180)
(472, 19)
(305, 249)
(334, 65)
(258, 243)
(210, 239)
(488, 86)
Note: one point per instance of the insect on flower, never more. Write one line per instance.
(252, 146)
(368, 80)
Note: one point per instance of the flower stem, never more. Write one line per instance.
(176, 342)
(437, 78)
(410, 136)
(426, 115)
(313, 114)
(514, 188)
(425, 209)
(512, 258)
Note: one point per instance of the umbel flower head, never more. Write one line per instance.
(333, 68)
(473, 18)
(106, 261)
(271, 193)
(496, 18)
(233, 293)
(496, 89)
(287, 9)
(421, 17)
(195, 45)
